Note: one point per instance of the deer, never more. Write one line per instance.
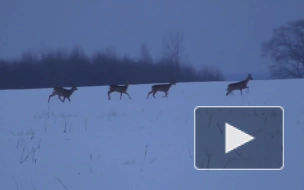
(66, 93)
(239, 85)
(122, 89)
(161, 88)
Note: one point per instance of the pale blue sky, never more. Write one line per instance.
(226, 34)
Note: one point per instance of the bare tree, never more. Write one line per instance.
(208, 73)
(145, 54)
(172, 48)
(110, 52)
(286, 49)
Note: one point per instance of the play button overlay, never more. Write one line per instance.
(235, 138)
(239, 138)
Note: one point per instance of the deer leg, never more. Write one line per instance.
(228, 92)
(120, 95)
(50, 97)
(149, 94)
(53, 94)
(154, 94)
(59, 97)
(241, 92)
(109, 92)
(63, 99)
(165, 95)
(69, 99)
(128, 94)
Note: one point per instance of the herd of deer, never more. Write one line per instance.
(66, 93)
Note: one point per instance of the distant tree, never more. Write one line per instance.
(28, 57)
(145, 56)
(172, 48)
(208, 73)
(286, 49)
(67, 68)
(110, 53)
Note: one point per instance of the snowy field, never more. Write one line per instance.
(93, 143)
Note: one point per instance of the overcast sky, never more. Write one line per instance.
(226, 34)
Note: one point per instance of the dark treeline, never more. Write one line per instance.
(58, 68)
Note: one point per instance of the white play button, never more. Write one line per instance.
(235, 138)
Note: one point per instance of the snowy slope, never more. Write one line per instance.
(94, 143)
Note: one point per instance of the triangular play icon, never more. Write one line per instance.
(235, 138)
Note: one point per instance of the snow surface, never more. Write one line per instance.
(93, 143)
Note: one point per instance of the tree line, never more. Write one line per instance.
(75, 68)
(59, 68)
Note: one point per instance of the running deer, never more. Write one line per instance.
(120, 89)
(66, 93)
(239, 85)
(162, 88)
